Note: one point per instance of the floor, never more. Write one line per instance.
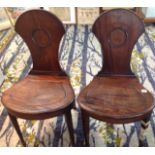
(80, 53)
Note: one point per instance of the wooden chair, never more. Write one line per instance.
(115, 95)
(46, 92)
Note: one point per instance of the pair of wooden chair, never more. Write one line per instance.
(114, 96)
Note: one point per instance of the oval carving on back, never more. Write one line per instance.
(117, 37)
(41, 37)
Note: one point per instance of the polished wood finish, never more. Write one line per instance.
(117, 39)
(68, 118)
(115, 95)
(116, 99)
(17, 128)
(42, 32)
(46, 92)
(39, 97)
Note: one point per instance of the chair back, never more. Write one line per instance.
(42, 32)
(117, 30)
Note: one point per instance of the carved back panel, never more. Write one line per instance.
(117, 31)
(42, 31)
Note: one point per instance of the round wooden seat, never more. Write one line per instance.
(46, 93)
(39, 95)
(116, 96)
(115, 99)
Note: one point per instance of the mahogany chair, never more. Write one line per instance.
(115, 95)
(46, 92)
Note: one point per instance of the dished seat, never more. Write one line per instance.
(115, 95)
(116, 99)
(39, 95)
(46, 92)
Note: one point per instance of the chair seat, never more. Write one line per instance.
(116, 99)
(37, 95)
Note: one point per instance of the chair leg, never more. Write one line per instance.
(16, 126)
(74, 105)
(85, 122)
(144, 126)
(69, 122)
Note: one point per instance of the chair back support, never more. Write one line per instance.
(42, 31)
(117, 30)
